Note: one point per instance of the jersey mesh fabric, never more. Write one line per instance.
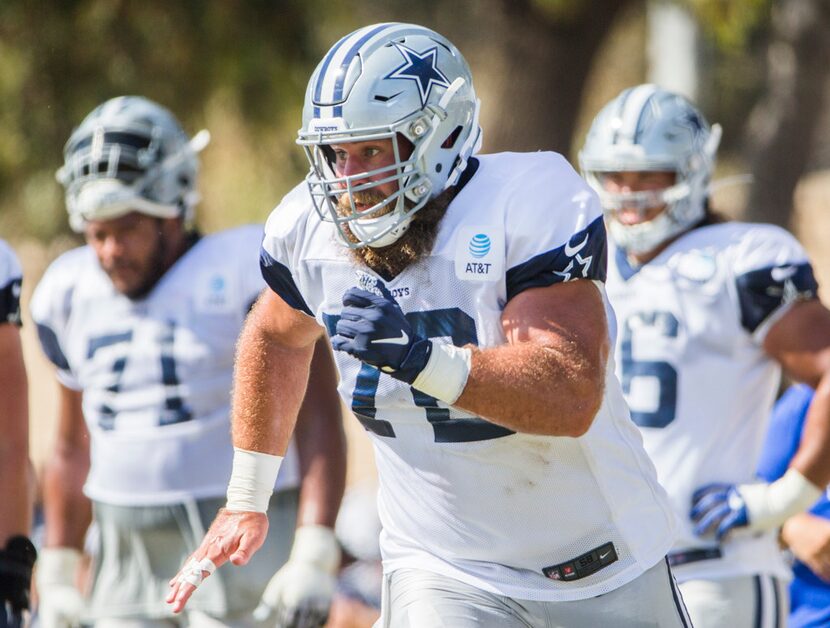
(156, 373)
(458, 495)
(694, 373)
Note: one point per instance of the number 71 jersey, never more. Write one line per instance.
(156, 372)
(691, 325)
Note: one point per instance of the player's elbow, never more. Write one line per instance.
(587, 391)
(584, 407)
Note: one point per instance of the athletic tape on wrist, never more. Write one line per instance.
(57, 565)
(252, 480)
(445, 375)
(769, 505)
(317, 545)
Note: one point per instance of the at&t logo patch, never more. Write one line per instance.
(479, 245)
(479, 254)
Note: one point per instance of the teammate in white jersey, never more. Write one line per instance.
(708, 314)
(464, 298)
(141, 324)
(17, 554)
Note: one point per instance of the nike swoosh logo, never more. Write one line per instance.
(570, 251)
(780, 274)
(402, 340)
(603, 556)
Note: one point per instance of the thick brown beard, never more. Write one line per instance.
(415, 244)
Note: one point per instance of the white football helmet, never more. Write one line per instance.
(647, 128)
(130, 154)
(379, 82)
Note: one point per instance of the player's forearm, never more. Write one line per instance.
(68, 511)
(16, 513)
(813, 456)
(531, 388)
(15, 516)
(269, 383)
(321, 443)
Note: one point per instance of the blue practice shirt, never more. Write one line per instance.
(809, 595)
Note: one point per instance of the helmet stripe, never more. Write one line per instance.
(340, 77)
(329, 87)
(632, 114)
(318, 88)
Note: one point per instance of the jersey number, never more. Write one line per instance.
(175, 410)
(665, 404)
(451, 322)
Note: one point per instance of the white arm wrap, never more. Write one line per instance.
(252, 480)
(770, 505)
(446, 372)
(57, 565)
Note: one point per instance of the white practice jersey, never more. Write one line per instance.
(528, 516)
(156, 373)
(689, 354)
(11, 277)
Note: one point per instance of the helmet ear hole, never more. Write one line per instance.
(452, 138)
(405, 146)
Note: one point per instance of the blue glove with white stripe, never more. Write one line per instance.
(374, 329)
(718, 508)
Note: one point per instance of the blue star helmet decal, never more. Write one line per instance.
(420, 67)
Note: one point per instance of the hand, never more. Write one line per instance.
(233, 536)
(373, 329)
(299, 595)
(61, 603)
(16, 561)
(718, 508)
(808, 538)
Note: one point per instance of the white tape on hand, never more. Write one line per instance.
(193, 572)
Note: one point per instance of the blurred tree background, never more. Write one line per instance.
(543, 68)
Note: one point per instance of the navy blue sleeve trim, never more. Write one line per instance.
(10, 302)
(279, 279)
(51, 347)
(761, 292)
(584, 256)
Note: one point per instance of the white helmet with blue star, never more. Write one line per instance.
(647, 128)
(381, 82)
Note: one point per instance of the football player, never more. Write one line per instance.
(141, 325)
(709, 312)
(464, 297)
(17, 554)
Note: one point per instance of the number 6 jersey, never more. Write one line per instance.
(689, 353)
(527, 516)
(155, 372)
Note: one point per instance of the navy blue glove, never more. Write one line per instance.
(373, 328)
(16, 562)
(719, 508)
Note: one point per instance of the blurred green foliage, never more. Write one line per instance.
(239, 68)
(58, 60)
(731, 23)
